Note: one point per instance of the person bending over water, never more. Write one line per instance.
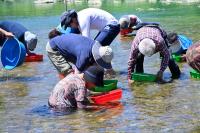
(193, 56)
(73, 90)
(147, 42)
(96, 19)
(11, 29)
(78, 50)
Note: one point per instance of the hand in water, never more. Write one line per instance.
(130, 82)
(110, 72)
(160, 79)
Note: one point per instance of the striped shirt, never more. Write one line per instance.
(69, 92)
(154, 34)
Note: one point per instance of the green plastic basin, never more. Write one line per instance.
(144, 77)
(108, 86)
(178, 58)
(194, 74)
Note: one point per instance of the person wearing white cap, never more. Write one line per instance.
(21, 33)
(79, 50)
(96, 19)
(147, 42)
(127, 22)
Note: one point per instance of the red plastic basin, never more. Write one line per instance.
(126, 31)
(34, 58)
(108, 97)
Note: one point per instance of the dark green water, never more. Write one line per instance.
(145, 107)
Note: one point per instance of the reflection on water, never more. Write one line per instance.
(46, 111)
(152, 99)
(145, 107)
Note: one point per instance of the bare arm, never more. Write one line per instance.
(7, 34)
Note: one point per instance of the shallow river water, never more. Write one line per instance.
(144, 107)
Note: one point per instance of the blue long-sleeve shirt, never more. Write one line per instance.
(75, 48)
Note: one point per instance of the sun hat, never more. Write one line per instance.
(102, 55)
(31, 40)
(124, 22)
(94, 74)
(147, 47)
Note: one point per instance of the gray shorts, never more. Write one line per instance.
(58, 61)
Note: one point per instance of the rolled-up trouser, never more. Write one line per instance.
(108, 34)
(60, 63)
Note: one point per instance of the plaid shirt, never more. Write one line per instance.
(69, 92)
(155, 35)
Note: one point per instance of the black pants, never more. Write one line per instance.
(107, 34)
(173, 67)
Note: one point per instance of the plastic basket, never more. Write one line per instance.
(126, 31)
(34, 58)
(108, 86)
(194, 74)
(12, 54)
(113, 95)
(179, 58)
(144, 77)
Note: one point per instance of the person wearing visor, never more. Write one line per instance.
(96, 19)
(74, 89)
(147, 42)
(69, 23)
(21, 33)
(81, 51)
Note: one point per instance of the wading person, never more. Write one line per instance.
(73, 90)
(69, 23)
(148, 41)
(67, 49)
(179, 43)
(21, 33)
(128, 23)
(193, 56)
(97, 19)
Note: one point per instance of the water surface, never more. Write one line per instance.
(147, 107)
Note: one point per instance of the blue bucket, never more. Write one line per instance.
(12, 54)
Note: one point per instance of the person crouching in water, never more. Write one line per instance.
(73, 90)
(147, 42)
(193, 56)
